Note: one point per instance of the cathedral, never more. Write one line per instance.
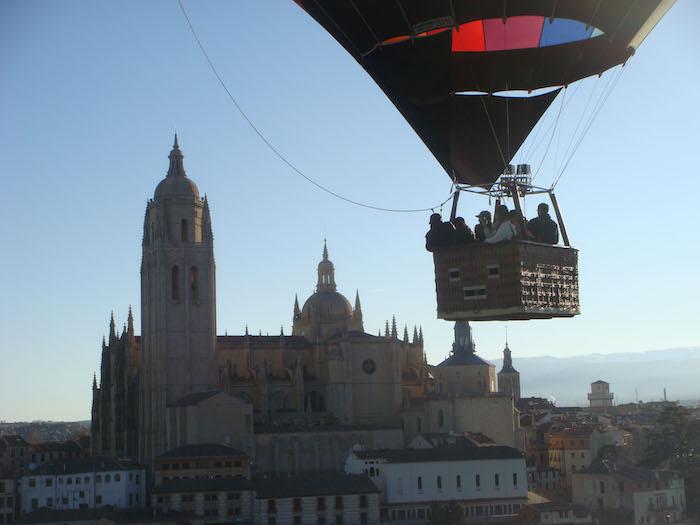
(292, 402)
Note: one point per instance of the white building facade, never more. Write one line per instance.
(488, 482)
(83, 483)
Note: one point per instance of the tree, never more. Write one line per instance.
(449, 513)
(675, 441)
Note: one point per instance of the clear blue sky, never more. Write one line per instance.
(91, 93)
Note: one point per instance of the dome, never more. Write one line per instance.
(179, 186)
(176, 183)
(327, 306)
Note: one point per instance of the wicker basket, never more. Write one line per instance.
(506, 281)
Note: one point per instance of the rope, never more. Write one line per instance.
(611, 86)
(275, 151)
(556, 124)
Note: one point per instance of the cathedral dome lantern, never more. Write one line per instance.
(327, 311)
(176, 183)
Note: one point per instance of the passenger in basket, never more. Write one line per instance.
(505, 231)
(484, 229)
(463, 234)
(440, 233)
(516, 219)
(543, 228)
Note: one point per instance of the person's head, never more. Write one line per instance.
(460, 223)
(542, 209)
(435, 220)
(484, 217)
(514, 217)
(501, 212)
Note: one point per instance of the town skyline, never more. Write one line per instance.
(90, 185)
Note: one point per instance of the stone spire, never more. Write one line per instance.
(463, 338)
(415, 334)
(357, 312)
(386, 329)
(246, 330)
(420, 334)
(130, 324)
(394, 332)
(94, 381)
(405, 333)
(297, 311)
(177, 167)
(112, 330)
(507, 362)
(326, 273)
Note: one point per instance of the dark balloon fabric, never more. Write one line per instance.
(423, 54)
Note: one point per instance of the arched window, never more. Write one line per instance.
(184, 231)
(441, 418)
(418, 424)
(439, 482)
(175, 282)
(459, 481)
(194, 283)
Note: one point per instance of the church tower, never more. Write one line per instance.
(509, 377)
(178, 302)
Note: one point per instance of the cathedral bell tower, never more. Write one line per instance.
(178, 302)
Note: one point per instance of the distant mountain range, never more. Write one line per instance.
(632, 376)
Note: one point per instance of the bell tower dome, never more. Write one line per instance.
(178, 301)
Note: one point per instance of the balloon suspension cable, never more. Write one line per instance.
(275, 151)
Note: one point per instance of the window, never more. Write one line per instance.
(339, 519)
(496, 480)
(320, 503)
(32, 483)
(441, 418)
(459, 481)
(271, 520)
(363, 501)
(297, 504)
(573, 455)
(418, 424)
(321, 520)
(69, 481)
(49, 482)
(363, 518)
(98, 500)
(138, 478)
(184, 230)
(372, 472)
(35, 503)
(108, 478)
(175, 283)
(515, 479)
(98, 478)
(338, 502)
(473, 293)
(77, 481)
(478, 481)
(194, 283)
(297, 520)
(493, 271)
(49, 502)
(117, 477)
(439, 482)
(420, 483)
(602, 487)
(453, 274)
(64, 500)
(271, 506)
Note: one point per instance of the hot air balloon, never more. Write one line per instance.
(443, 64)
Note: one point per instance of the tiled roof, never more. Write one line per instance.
(15, 441)
(464, 359)
(321, 484)
(627, 471)
(203, 485)
(195, 398)
(292, 428)
(55, 446)
(82, 465)
(201, 450)
(446, 453)
(293, 342)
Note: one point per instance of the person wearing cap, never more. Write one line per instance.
(505, 231)
(542, 227)
(484, 228)
(440, 233)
